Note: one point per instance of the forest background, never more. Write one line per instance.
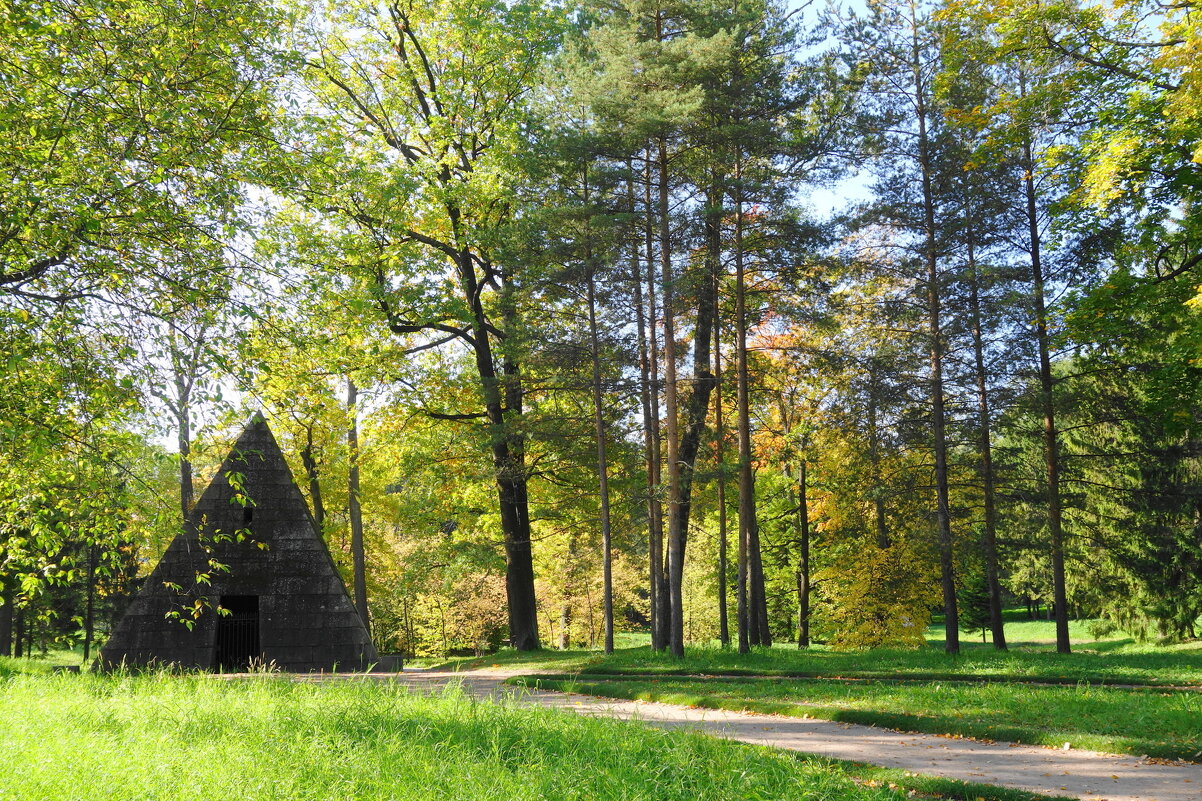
(534, 300)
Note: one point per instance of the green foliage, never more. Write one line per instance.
(973, 598)
(217, 196)
(878, 596)
(125, 123)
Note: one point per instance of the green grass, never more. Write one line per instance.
(1156, 723)
(12, 666)
(1120, 661)
(1022, 630)
(159, 736)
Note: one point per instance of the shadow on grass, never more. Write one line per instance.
(1113, 721)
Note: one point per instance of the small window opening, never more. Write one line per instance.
(248, 515)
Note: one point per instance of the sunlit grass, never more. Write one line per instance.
(1032, 657)
(157, 736)
(1157, 723)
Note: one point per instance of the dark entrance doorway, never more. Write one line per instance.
(237, 641)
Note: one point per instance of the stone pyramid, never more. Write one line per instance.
(287, 602)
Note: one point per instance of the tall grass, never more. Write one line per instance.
(88, 738)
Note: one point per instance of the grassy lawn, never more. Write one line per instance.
(1164, 724)
(1032, 657)
(199, 737)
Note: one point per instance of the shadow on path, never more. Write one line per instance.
(1082, 774)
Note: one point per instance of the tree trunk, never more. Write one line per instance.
(650, 421)
(607, 598)
(1047, 404)
(935, 332)
(874, 456)
(989, 542)
(19, 632)
(720, 461)
(565, 625)
(757, 621)
(7, 600)
(655, 548)
(89, 615)
(509, 462)
(358, 557)
(184, 443)
(502, 395)
(676, 532)
(697, 403)
(803, 567)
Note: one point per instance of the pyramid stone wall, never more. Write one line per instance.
(306, 620)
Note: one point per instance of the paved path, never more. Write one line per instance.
(1082, 774)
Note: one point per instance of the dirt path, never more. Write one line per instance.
(1082, 774)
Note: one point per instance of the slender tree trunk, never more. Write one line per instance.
(802, 574)
(935, 332)
(89, 614)
(312, 472)
(659, 582)
(1051, 445)
(676, 533)
(743, 612)
(588, 608)
(748, 527)
(874, 455)
(19, 632)
(602, 467)
(184, 444)
(803, 567)
(720, 460)
(7, 600)
(565, 625)
(742, 606)
(358, 557)
(650, 420)
(989, 542)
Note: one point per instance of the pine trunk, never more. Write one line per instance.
(607, 599)
(720, 462)
(659, 582)
(1051, 445)
(757, 619)
(989, 542)
(935, 333)
(676, 532)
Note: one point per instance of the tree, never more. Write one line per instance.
(130, 125)
(439, 131)
(902, 42)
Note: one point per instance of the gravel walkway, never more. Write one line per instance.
(1081, 774)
